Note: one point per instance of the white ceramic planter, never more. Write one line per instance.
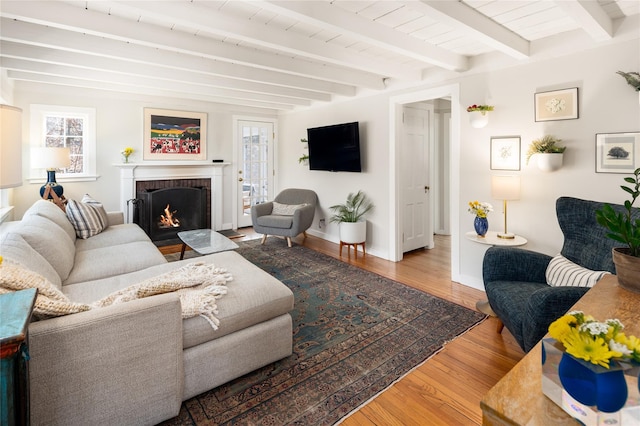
(353, 232)
(478, 119)
(549, 162)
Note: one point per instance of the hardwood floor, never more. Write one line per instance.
(447, 388)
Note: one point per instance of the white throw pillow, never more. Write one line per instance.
(285, 209)
(562, 272)
(88, 217)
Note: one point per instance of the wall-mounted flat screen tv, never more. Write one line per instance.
(335, 148)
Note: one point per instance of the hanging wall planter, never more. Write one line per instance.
(549, 162)
(479, 115)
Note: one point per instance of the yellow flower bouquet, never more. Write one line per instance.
(480, 209)
(590, 369)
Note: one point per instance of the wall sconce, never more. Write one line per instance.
(50, 158)
(505, 188)
(10, 147)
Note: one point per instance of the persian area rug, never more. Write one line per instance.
(354, 334)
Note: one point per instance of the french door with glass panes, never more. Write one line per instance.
(255, 167)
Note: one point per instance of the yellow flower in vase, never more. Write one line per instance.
(126, 153)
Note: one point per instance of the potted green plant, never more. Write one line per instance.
(624, 227)
(350, 215)
(633, 79)
(548, 154)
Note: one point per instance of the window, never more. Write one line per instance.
(71, 127)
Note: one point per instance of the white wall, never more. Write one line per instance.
(606, 104)
(120, 124)
(333, 187)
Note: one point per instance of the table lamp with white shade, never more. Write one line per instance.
(505, 188)
(50, 158)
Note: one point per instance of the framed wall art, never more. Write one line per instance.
(174, 135)
(505, 153)
(617, 152)
(556, 105)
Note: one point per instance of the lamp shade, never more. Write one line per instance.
(505, 187)
(50, 158)
(10, 146)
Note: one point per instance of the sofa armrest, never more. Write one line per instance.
(545, 306)
(514, 264)
(303, 217)
(261, 210)
(115, 218)
(121, 364)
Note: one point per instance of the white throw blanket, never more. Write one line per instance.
(198, 284)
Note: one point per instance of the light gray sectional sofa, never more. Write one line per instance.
(135, 362)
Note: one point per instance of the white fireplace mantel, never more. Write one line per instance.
(130, 173)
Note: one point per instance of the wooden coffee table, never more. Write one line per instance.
(205, 241)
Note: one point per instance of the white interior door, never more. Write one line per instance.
(255, 167)
(417, 223)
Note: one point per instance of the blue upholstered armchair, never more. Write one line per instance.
(515, 282)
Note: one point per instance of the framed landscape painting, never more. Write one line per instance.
(617, 152)
(174, 135)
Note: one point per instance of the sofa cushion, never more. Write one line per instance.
(275, 221)
(113, 235)
(119, 259)
(88, 217)
(253, 296)
(51, 241)
(563, 272)
(54, 213)
(14, 248)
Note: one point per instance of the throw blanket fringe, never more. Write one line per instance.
(198, 285)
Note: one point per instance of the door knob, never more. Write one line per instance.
(240, 180)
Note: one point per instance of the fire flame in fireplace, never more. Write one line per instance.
(168, 219)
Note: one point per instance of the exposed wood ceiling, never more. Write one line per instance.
(282, 55)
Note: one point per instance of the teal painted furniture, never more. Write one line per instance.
(15, 315)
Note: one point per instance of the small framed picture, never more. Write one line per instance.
(174, 135)
(557, 105)
(617, 152)
(505, 153)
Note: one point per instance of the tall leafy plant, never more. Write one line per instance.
(623, 227)
(354, 209)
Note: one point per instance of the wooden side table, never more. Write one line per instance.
(517, 399)
(15, 315)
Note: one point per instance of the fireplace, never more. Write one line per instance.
(165, 211)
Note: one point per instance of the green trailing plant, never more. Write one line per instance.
(622, 226)
(545, 145)
(633, 79)
(354, 209)
(304, 157)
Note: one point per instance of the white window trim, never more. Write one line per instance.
(36, 130)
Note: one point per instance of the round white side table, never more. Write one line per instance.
(491, 238)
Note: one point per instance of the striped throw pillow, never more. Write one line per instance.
(562, 272)
(88, 217)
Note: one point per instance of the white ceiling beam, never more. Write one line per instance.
(155, 68)
(202, 18)
(239, 62)
(460, 16)
(111, 76)
(590, 16)
(325, 15)
(87, 84)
